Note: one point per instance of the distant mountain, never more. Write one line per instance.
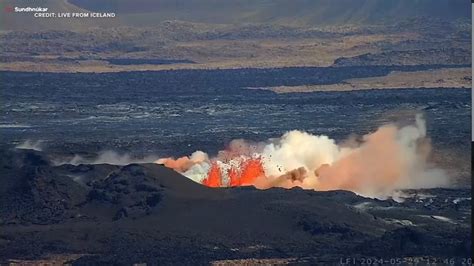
(306, 12)
(27, 21)
(285, 12)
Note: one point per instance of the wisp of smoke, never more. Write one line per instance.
(30, 145)
(387, 160)
(108, 157)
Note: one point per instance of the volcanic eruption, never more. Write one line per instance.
(390, 158)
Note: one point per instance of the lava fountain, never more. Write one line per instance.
(385, 160)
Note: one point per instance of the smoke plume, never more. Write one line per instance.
(30, 145)
(382, 162)
(107, 157)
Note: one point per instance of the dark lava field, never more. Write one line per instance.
(146, 213)
(177, 112)
(150, 214)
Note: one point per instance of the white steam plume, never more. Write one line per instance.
(108, 157)
(389, 159)
(30, 145)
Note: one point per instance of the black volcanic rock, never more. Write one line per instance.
(32, 192)
(451, 56)
(146, 213)
(129, 188)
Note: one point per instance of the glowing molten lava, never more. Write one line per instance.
(214, 178)
(378, 164)
(243, 174)
(249, 171)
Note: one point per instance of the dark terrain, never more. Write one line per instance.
(174, 113)
(87, 105)
(150, 214)
(111, 214)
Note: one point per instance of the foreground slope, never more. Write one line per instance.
(147, 213)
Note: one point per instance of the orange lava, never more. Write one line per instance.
(245, 175)
(251, 170)
(234, 177)
(214, 178)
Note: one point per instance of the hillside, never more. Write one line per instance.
(147, 214)
(302, 13)
(210, 34)
(26, 21)
(299, 12)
